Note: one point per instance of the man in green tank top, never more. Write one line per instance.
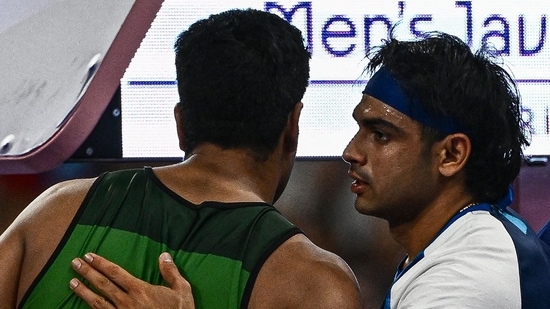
(241, 76)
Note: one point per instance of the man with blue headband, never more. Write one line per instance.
(439, 142)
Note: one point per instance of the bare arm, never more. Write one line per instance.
(299, 274)
(30, 240)
(11, 259)
(128, 291)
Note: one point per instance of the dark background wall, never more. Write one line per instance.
(317, 199)
(533, 195)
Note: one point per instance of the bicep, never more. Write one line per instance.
(11, 260)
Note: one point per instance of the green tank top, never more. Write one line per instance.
(130, 217)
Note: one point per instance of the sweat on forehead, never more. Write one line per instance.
(383, 86)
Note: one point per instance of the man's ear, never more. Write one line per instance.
(291, 129)
(453, 153)
(178, 114)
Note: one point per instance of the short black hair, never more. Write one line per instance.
(239, 75)
(442, 73)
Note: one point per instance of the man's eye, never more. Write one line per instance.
(379, 135)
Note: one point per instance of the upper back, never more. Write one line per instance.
(130, 217)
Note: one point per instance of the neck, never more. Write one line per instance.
(415, 235)
(211, 173)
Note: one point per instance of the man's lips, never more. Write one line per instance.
(358, 185)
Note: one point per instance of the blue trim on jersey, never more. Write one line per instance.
(506, 200)
(544, 233)
(504, 210)
(522, 226)
(533, 257)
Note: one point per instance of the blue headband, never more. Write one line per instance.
(384, 87)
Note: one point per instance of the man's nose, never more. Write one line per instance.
(350, 152)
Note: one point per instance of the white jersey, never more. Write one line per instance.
(485, 257)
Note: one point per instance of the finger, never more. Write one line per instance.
(171, 274)
(96, 277)
(110, 270)
(88, 296)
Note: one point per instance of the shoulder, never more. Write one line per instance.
(477, 243)
(478, 230)
(44, 221)
(452, 281)
(56, 201)
(52, 205)
(29, 241)
(466, 264)
(300, 274)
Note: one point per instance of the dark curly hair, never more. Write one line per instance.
(239, 75)
(449, 80)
